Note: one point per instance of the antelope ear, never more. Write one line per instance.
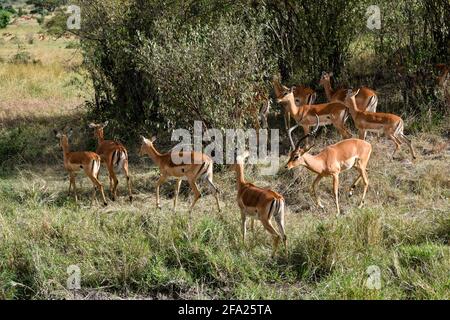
(331, 74)
(92, 125)
(241, 158)
(143, 139)
(69, 133)
(56, 133)
(323, 73)
(153, 139)
(105, 123)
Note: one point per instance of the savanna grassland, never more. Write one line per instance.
(136, 251)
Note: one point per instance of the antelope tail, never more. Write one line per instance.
(95, 167)
(373, 103)
(118, 159)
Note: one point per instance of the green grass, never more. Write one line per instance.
(134, 250)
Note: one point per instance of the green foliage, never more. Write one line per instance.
(47, 5)
(5, 18)
(209, 72)
(157, 66)
(57, 25)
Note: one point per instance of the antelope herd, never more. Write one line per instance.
(256, 203)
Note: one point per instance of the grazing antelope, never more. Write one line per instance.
(260, 204)
(75, 161)
(333, 160)
(389, 124)
(302, 95)
(366, 99)
(200, 166)
(329, 113)
(114, 155)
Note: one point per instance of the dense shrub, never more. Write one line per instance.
(57, 25)
(5, 17)
(156, 66)
(208, 73)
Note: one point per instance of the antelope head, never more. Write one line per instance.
(296, 155)
(286, 96)
(146, 143)
(280, 90)
(350, 98)
(98, 128)
(63, 137)
(325, 78)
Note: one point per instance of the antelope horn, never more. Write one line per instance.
(290, 136)
(312, 133)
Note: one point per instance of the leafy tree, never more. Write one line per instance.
(5, 18)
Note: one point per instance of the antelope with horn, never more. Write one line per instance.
(302, 95)
(334, 113)
(114, 155)
(331, 161)
(260, 204)
(367, 99)
(389, 124)
(75, 161)
(198, 166)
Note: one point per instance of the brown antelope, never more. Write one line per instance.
(75, 161)
(389, 124)
(302, 95)
(366, 99)
(200, 166)
(329, 113)
(260, 204)
(114, 155)
(333, 160)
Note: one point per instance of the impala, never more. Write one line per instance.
(75, 161)
(389, 124)
(302, 95)
(114, 156)
(328, 113)
(260, 204)
(333, 160)
(366, 99)
(200, 166)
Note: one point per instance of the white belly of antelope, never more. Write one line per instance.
(348, 164)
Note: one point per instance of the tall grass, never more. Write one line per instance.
(137, 251)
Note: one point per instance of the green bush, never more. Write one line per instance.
(208, 73)
(57, 25)
(5, 17)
